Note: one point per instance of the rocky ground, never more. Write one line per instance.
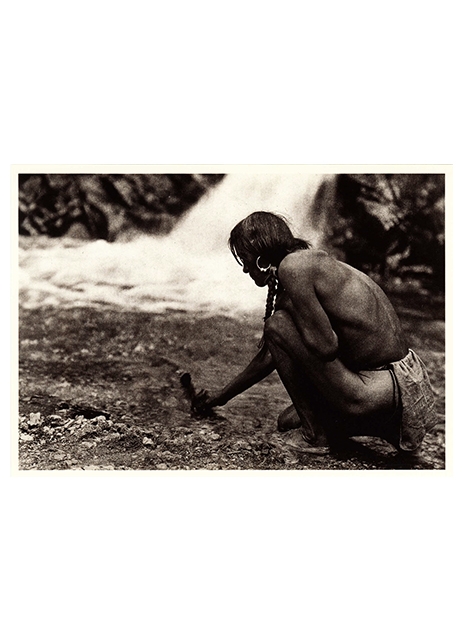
(99, 389)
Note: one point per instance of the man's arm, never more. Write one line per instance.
(259, 367)
(300, 273)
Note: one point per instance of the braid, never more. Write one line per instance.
(270, 299)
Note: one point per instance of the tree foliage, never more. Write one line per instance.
(107, 205)
(392, 224)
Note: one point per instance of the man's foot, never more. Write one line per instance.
(296, 440)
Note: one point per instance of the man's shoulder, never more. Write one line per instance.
(308, 261)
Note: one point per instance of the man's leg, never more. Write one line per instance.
(313, 383)
(289, 419)
(305, 397)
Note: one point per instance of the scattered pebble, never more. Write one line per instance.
(35, 419)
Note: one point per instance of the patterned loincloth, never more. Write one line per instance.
(418, 404)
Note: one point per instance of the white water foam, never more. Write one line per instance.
(192, 269)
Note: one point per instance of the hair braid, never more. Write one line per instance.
(271, 297)
(270, 300)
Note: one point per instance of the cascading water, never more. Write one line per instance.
(191, 269)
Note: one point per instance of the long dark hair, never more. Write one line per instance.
(266, 236)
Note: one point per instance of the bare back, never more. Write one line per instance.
(340, 310)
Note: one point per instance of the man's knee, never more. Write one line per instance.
(288, 419)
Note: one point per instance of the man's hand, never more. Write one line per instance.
(201, 403)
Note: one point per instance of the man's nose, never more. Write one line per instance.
(244, 269)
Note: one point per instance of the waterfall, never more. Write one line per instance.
(190, 269)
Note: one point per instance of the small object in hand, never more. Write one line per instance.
(198, 400)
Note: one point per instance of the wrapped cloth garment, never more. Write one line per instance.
(416, 395)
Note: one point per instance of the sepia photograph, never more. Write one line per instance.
(232, 358)
(235, 318)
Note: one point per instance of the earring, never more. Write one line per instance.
(262, 269)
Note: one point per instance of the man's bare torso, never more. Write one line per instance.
(360, 314)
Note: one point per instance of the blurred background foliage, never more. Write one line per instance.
(106, 206)
(388, 225)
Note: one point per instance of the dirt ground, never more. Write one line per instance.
(99, 390)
